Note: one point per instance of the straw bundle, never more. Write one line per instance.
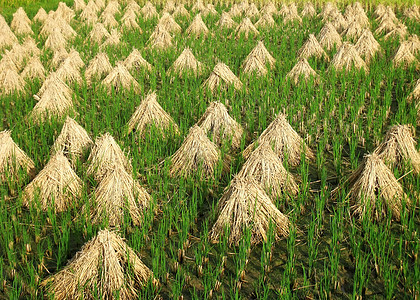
(415, 94)
(262, 54)
(400, 31)
(267, 169)
(79, 5)
(119, 78)
(169, 7)
(269, 8)
(106, 155)
(196, 154)
(8, 62)
(34, 69)
(353, 31)
(17, 55)
(245, 204)
(149, 11)
(136, 61)
(56, 40)
(338, 21)
(53, 23)
(7, 37)
(105, 266)
(90, 13)
(198, 7)
(374, 189)
(222, 76)
(112, 40)
(385, 26)
(108, 20)
(55, 98)
(73, 140)
(100, 4)
(186, 63)
(284, 140)
(412, 12)
(41, 15)
(254, 66)
(150, 113)
(210, 10)
(169, 23)
(133, 7)
(20, 23)
(266, 21)
(399, 146)
(116, 194)
(328, 9)
(367, 46)
(404, 57)
(128, 21)
(59, 57)
(245, 29)
(65, 12)
(235, 11)
(292, 15)
(30, 48)
(302, 70)
(387, 14)
(413, 43)
(220, 126)
(98, 67)
(328, 37)
(197, 27)
(312, 48)
(309, 10)
(10, 82)
(252, 11)
(12, 158)
(55, 185)
(112, 8)
(181, 12)
(284, 10)
(160, 38)
(379, 10)
(98, 33)
(68, 72)
(347, 58)
(226, 21)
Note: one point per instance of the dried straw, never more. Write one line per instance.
(245, 204)
(197, 27)
(21, 24)
(136, 61)
(169, 23)
(347, 58)
(312, 48)
(98, 67)
(308, 10)
(12, 158)
(149, 11)
(266, 21)
(284, 140)
(105, 266)
(106, 155)
(181, 12)
(160, 38)
(415, 94)
(262, 54)
(128, 22)
(149, 113)
(399, 147)
(328, 37)
(108, 20)
(56, 40)
(116, 194)
(404, 57)
(120, 79)
(374, 189)
(245, 29)
(186, 63)
(73, 140)
(220, 126)
(196, 154)
(34, 70)
(59, 57)
(413, 43)
(367, 46)
(226, 21)
(254, 66)
(302, 70)
(10, 82)
(41, 16)
(222, 77)
(54, 186)
(79, 5)
(353, 31)
(98, 33)
(112, 40)
(252, 11)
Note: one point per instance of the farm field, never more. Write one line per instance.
(198, 150)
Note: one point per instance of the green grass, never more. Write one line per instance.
(329, 255)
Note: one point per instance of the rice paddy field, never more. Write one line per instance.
(199, 150)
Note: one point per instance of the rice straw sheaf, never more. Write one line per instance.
(373, 190)
(415, 94)
(302, 70)
(399, 147)
(196, 155)
(169, 24)
(136, 61)
(150, 113)
(221, 127)
(265, 21)
(308, 10)
(98, 67)
(56, 185)
(120, 79)
(404, 57)
(367, 46)
(284, 140)
(269, 8)
(98, 33)
(254, 66)
(328, 37)
(21, 24)
(186, 63)
(12, 158)
(79, 5)
(149, 11)
(118, 193)
(180, 11)
(261, 52)
(41, 15)
(10, 82)
(160, 38)
(128, 21)
(105, 267)
(246, 29)
(72, 141)
(226, 21)
(267, 169)
(106, 155)
(252, 11)
(197, 27)
(112, 40)
(347, 58)
(245, 204)
(222, 77)
(312, 48)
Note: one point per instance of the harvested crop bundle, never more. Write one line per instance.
(253, 65)
(136, 61)
(105, 266)
(186, 63)
(328, 37)
(367, 46)
(245, 29)
(284, 140)
(312, 48)
(404, 57)
(222, 77)
(226, 21)
(197, 154)
(220, 126)
(55, 186)
(245, 204)
(197, 27)
(34, 69)
(160, 38)
(12, 158)
(169, 23)
(262, 54)
(149, 11)
(98, 33)
(98, 67)
(149, 113)
(120, 79)
(347, 58)
(302, 70)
